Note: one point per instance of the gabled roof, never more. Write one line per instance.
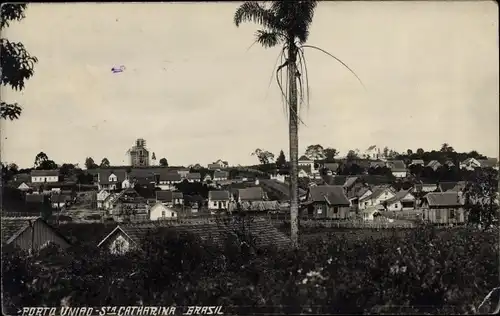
(417, 162)
(377, 164)
(400, 195)
(434, 164)
(251, 194)
(397, 165)
(13, 227)
(45, 173)
(444, 199)
(168, 196)
(219, 195)
(104, 174)
(194, 176)
(377, 191)
(213, 230)
(260, 206)
(221, 174)
(305, 168)
(331, 194)
(304, 158)
(350, 181)
(170, 176)
(447, 186)
(488, 163)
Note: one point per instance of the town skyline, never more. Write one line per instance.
(177, 96)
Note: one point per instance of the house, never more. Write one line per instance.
(128, 204)
(444, 208)
(170, 198)
(446, 186)
(30, 233)
(373, 152)
(183, 172)
(110, 179)
(305, 171)
(434, 165)
(219, 164)
(449, 163)
(350, 183)
(218, 200)
(398, 168)
(424, 188)
(402, 200)
(125, 238)
(416, 162)
(101, 196)
(167, 180)
(194, 177)
(327, 201)
(161, 212)
(378, 196)
(220, 175)
(24, 187)
(127, 183)
(306, 162)
(372, 213)
(42, 176)
(59, 200)
(108, 202)
(489, 163)
(207, 178)
(470, 164)
(257, 206)
(355, 196)
(251, 194)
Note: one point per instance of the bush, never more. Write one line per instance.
(418, 271)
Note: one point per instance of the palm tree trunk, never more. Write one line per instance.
(294, 146)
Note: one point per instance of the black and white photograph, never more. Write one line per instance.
(250, 158)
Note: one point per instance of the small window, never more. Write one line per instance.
(335, 210)
(162, 213)
(438, 214)
(320, 211)
(173, 214)
(452, 214)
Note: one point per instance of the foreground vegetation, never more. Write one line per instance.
(418, 271)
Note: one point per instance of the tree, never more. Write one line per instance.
(104, 163)
(351, 155)
(420, 152)
(47, 165)
(446, 148)
(330, 154)
(14, 168)
(163, 162)
(90, 164)
(286, 24)
(409, 152)
(481, 197)
(41, 157)
(16, 63)
(265, 157)
(315, 152)
(281, 160)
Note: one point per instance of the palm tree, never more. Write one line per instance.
(286, 23)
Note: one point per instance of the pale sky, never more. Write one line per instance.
(195, 92)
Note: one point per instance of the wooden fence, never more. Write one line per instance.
(352, 224)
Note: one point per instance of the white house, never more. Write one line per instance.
(194, 177)
(307, 164)
(378, 196)
(23, 187)
(278, 177)
(371, 213)
(373, 152)
(219, 164)
(161, 212)
(42, 176)
(126, 184)
(183, 173)
(470, 164)
(168, 180)
(218, 200)
(403, 200)
(101, 197)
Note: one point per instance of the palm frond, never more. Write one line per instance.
(280, 57)
(267, 38)
(337, 59)
(302, 57)
(254, 12)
